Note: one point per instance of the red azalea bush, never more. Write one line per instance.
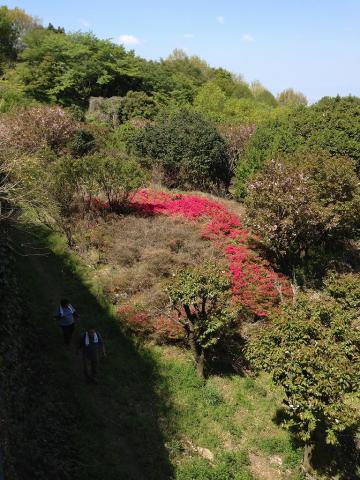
(162, 328)
(168, 328)
(254, 284)
(135, 321)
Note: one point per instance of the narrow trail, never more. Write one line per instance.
(117, 433)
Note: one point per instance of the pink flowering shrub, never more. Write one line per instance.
(304, 204)
(29, 129)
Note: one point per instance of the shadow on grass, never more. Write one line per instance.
(341, 461)
(116, 431)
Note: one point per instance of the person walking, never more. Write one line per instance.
(66, 315)
(91, 344)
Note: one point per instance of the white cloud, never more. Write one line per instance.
(247, 38)
(85, 23)
(220, 19)
(129, 40)
(189, 35)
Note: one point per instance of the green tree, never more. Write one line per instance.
(209, 101)
(69, 68)
(245, 110)
(292, 98)
(232, 85)
(14, 24)
(312, 351)
(261, 94)
(8, 38)
(333, 125)
(201, 297)
(188, 148)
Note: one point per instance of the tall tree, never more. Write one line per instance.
(69, 68)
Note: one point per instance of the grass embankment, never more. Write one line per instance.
(151, 417)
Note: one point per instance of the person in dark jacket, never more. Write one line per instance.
(91, 344)
(66, 315)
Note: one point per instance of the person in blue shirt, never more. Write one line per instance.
(92, 345)
(66, 316)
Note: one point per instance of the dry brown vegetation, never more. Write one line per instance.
(134, 256)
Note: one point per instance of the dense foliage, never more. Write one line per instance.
(69, 68)
(303, 203)
(332, 124)
(187, 148)
(312, 351)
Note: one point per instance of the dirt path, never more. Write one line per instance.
(117, 434)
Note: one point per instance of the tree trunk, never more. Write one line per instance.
(200, 365)
(198, 354)
(197, 351)
(69, 236)
(308, 456)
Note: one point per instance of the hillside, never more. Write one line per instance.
(195, 240)
(151, 414)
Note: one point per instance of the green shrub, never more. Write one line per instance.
(345, 288)
(11, 96)
(188, 148)
(122, 137)
(312, 351)
(137, 104)
(112, 174)
(82, 143)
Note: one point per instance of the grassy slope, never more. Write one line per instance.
(150, 413)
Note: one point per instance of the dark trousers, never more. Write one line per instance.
(90, 364)
(68, 331)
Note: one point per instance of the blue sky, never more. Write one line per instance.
(310, 45)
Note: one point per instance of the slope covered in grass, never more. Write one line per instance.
(151, 417)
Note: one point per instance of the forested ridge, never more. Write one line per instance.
(209, 229)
